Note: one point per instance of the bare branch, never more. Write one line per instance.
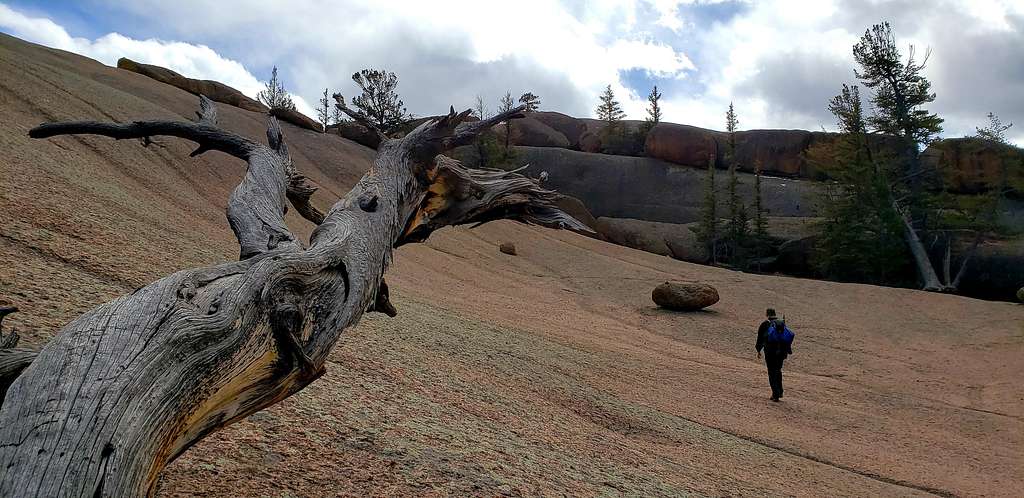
(208, 137)
(459, 195)
(299, 192)
(256, 207)
(207, 112)
(358, 117)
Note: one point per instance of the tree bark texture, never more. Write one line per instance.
(122, 390)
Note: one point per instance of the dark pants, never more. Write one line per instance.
(774, 363)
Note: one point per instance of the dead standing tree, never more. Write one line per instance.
(127, 387)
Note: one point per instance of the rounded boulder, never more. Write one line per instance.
(507, 248)
(684, 296)
(1020, 294)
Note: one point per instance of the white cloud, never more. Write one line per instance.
(444, 52)
(193, 61)
(778, 60)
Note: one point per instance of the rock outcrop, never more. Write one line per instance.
(973, 165)
(571, 128)
(575, 208)
(650, 189)
(532, 132)
(678, 241)
(684, 296)
(297, 118)
(356, 133)
(776, 152)
(507, 248)
(214, 90)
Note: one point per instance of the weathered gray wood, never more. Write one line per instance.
(125, 388)
(13, 360)
(925, 270)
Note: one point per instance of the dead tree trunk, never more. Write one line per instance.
(925, 270)
(125, 388)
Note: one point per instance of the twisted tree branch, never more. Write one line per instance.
(130, 385)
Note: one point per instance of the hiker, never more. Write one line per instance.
(777, 342)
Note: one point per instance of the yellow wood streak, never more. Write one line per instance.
(436, 201)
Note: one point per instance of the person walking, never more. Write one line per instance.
(777, 343)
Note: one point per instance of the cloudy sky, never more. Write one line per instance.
(779, 61)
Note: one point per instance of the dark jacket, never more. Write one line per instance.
(773, 349)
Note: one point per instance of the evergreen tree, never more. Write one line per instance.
(737, 229)
(653, 110)
(760, 221)
(531, 101)
(761, 239)
(900, 93)
(274, 95)
(379, 100)
(707, 230)
(609, 109)
(861, 237)
(323, 111)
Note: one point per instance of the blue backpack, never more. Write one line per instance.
(779, 333)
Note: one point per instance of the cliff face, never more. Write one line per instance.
(654, 190)
(971, 165)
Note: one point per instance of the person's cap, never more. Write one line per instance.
(771, 312)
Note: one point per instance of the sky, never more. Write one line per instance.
(778, 61)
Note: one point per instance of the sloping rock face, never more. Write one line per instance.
(974, 165)
(214, 90)
(297, 118)
(649, 189)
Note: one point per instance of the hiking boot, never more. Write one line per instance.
(775, 399)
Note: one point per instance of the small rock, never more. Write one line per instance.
(508, 248)
(1020, 294)
(684, 296)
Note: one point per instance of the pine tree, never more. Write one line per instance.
(707, 230)
(274, 95)
(737, 229)
(609, 109)
(861, 237)
(323, 111)
(760, 221)
(531, 101)
(653, 110)
(900, 93)
(379, 99)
